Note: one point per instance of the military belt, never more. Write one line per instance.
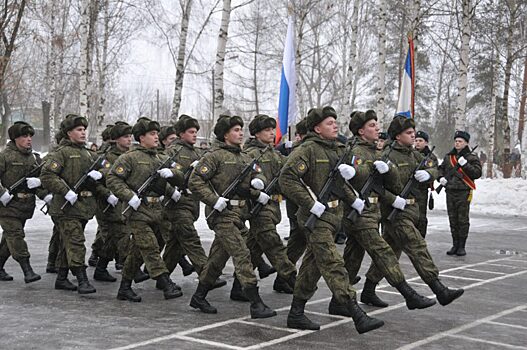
(333, 204)
(410, 201)
(237, 203)
(24, 195)
(153, 199)
(85, 193)
(373, 200)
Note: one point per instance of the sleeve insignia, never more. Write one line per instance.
(358, 161)
(204, 169)
(178, 166)
(54, 165)
(257, 168)
(301, 166)
(119, 170)
(430, 163)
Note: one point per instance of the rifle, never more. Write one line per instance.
(258, 206)
(451, 173)
(23, 178)
(327, 189)
(372, 184)
(84, 176)
(186, 177)
(229, 191)
(410, 184)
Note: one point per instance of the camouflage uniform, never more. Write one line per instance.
(421, 195)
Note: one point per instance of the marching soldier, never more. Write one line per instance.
(213, 174)
(402, 234)
(423, 189)
(383, 137)
(302, 179)
(72, 210)
(18, 203)
(457, 173)
(363, 234)
(126, 176)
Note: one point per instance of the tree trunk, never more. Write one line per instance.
(491, 128)
(102, 71)
(523, 100)
(220, 59)
(350, 74)
(255, 62)
(83, 62)
(381, 63)
(180, 65)
(466, 33)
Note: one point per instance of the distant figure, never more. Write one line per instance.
(94, 147)
(383, 136)
(482, 157)
(204, 145)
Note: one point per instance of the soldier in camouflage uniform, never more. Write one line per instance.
(363, 233)
(302, 179)
(421, 194)
(459, 189)
(144, 214)
(63, 169)
(263, 226)
(402, 234)
(17, 160)
(213, 174)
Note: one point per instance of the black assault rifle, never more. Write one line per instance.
(20, 181)
(373, 183)
(258, 206)
(451, 173)
(410, 184)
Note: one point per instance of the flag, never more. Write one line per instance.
(405, 106)
(287, 103)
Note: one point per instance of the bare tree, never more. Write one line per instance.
(219, 65)
(381, 62)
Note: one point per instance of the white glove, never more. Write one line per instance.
(288, 144)
(358, 205)
(134, 202)
(347, 171)
(176, 195)
(71, 197)
(381, 166)
(318, 209)
(257, 184)
(194, 163)
(112, 200)
(399, 203)
(48, 198)
(462, 161)
(165, 173)
(6, 198)
(95, 175)
(33, 182)
(263, 198)
(443, 181)
(422, 175)
(221, 204)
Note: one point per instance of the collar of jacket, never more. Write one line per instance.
(425, 151)
(254, 142)
(461, 153)
(183, 143)
(401, 148)
(12, 146)
(68, 142)
(115, 150)
(231, 148)
(314, 137)
(153, 151)
(363, 142)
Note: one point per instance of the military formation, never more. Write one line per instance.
(375, 188)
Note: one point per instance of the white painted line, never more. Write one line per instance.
(278, 340)
(518, 260)
(212, 325)
(209, 342)
(462, 328)
(485, 271)
(518, 228)
(324, 314)
(478, 340)
(508, 324)
(388, 291)
(417, 283)
(504, 265)
(289, 330)
(462, 278)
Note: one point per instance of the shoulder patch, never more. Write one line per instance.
(178, 166)
(54, 165)
(358, 161)
(430, 163)
(257, 168)
(204, 169)
(301, 166)
(119, 170)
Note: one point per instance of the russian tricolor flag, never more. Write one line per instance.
(287, 104)
(405, 106)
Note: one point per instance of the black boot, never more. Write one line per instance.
(355, 280)
(455, 245)
(444, 294)
(101, 273)
(335, 308)
(140, 276)
(219, 283)
(198, 300)
(170, 289)
(258, 308)
(50, 268)
(186, 266)
(4, 276)
(92, 260)
(62, 282)
(369, 297)
(413, 299)
(297, 319)
(340, 238)
(126, 292)
(363, 322)
(29, 274)
(82, 280)
(461, 247)
(237, 293)
(159, 285)
(281, 285)
(264, 270)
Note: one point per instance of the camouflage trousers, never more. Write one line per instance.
(458, 207)
(263, 234)
(183, 239)
(54, 245)
(117, 241)
(13, 238)
(229, 241)
(422, 224)
(144, 247)
(72, 252)
(100, 236)
(322, 260)
(404, 237)
(381, 253)
(297, 242)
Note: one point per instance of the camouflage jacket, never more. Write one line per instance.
(63, 168)
(113, 214)
(130, 171)
(406, 159)
(15, 164)
(311, 164)
(472, 169)
(187, 208)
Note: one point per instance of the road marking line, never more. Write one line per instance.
(208, 342)
(508, 324)
(461, 278)
(324, 314)
(504, 265)
(485, 271)
(388, 291)
(212, 325)
(462, 328)
(263, 325)
(518, 260)
(478, 340)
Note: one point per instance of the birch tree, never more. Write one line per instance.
(84, 58)
(219, 64)
(381, 63)
(352, 63)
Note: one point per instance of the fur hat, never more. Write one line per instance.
(383, 135)
(120, 129)
(316, 115)
(107, 133)
(184, 123)
(144, 125)
(358, 119)
(399, 124)
(166, 131)
(423, 135)
(72, 121)
(20, 129)
(261, 122)
(224, 124)
(463, 134)
(301, 127)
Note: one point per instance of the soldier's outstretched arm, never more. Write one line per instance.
(290, 180)
(473, 167)
(116, 181)
(50, 176)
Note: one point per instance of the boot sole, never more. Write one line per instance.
(173, 296)
(68, 289)
(104, 280)
(34, 279)
(87, 292)
(413, 307)
(271, 314)
(451, 300)
(121, 297)
(372, 328)
(6, 279)
(303, 328)
(373, 304)
(202, 310)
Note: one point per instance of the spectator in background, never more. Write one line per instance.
(383, 136)
(94, 147)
